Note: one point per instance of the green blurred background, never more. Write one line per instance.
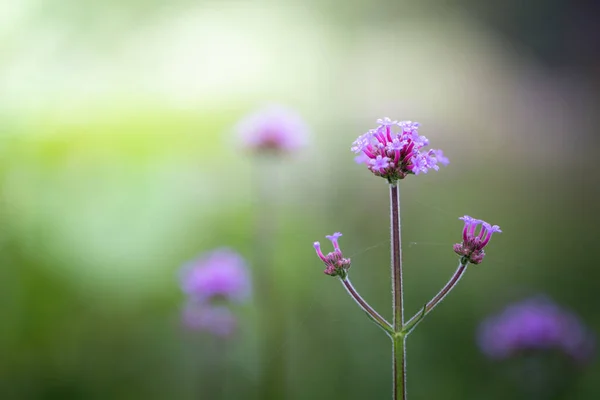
(118, 163)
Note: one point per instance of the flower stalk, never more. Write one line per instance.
(394, 151)
(396, 247)
(413, 322)
(398, 349)
(399, 366)
(371, 313)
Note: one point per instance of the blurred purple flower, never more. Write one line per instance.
(535, 324)
(274, 128)
(335, 262)
(395, 153)
(215, 319)
(473, 242)
(221, 273)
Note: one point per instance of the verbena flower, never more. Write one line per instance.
(273, 129)
(221, 273)
(393, 150)
(474, 241)
(335, 263)
(215, 319)
(533, 325)
(212, 282)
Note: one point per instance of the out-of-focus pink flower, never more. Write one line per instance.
(535, 324)
(212, 283)
(221, 273)
(274, 128)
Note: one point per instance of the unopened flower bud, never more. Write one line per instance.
(335, 263)
(471, 248)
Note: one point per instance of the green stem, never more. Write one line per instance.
(371, 313)
(396, 257)
(412, 323)
(398, 347)
(399, 366)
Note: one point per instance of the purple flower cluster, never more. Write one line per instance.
(535, 324)
(274, 129)
(211, 283)
(393, 150)
(220, 273)
(335, 263)
(473, 242)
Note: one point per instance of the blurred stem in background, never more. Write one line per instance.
(212, 368)
(269, 297)
(270, 133)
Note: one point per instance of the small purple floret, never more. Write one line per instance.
(535, 325)
(439, 155)
(334, 240)
(379, 163)
(361, 143)
(386, 122)
(393, 150)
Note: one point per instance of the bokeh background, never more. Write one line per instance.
(118, 163)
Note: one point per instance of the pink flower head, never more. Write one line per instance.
(535, 325)
(215, 319)
(393, 150)
(474, 241)
(221, 273)
(335, 263)
(273, 129)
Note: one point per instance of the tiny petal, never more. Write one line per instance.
(431, 161)
(380, 163)
(419, 163)
(334, 240)
(495, 228)
(334, 237)
(396, 144)
(362, 158)
(386, 121)
(361, 142)
(409, 126)
(439, 155)
(469, 220)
